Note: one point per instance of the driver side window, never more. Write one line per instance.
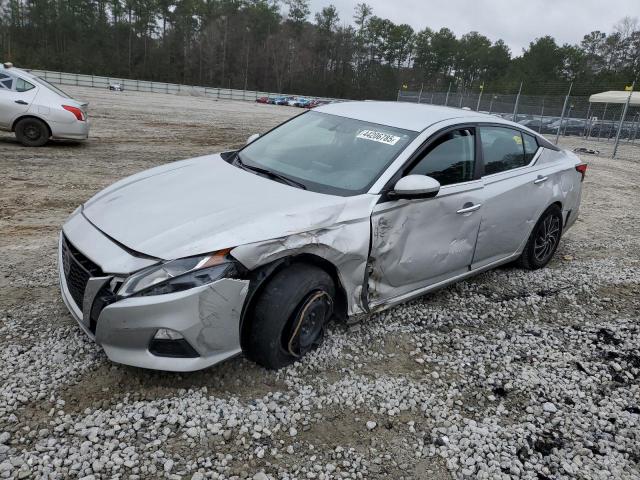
(450, 159)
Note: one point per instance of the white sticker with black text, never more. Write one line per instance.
(379, 137)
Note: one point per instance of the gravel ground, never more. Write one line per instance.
(511, 374)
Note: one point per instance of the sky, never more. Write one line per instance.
(517, 22)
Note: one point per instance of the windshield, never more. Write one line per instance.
(328, 153)
(52, 87)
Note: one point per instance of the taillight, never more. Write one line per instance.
(582, 169)
(76, 111)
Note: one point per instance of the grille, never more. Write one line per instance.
(77, 271)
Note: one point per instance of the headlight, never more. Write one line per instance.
(178, 275)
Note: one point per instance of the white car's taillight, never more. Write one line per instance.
(76, 111)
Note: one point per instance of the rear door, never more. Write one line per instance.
(16, 97)
(421, 242)
(516, 192)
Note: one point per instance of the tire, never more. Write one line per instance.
(32, 132)
(290, 316)
(543, 241)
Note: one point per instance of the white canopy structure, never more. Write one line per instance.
(613, 96)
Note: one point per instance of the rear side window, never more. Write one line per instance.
(451, 159)
(23, 85)
(502, 149)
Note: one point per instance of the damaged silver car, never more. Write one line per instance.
(337, 213)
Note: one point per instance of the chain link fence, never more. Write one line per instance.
(611, 128)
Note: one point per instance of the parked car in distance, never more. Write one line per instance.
(116, 87)
(340, 212)
(317, 103)
(540, 125)
(283, 100)
(302, 102)
(36, 110)
(568, 126)
(262, 100)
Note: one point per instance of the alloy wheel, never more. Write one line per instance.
(547, 238)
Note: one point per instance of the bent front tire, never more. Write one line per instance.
(543, 241)
(290, 316)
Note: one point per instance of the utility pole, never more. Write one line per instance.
(564, 109)
(515, 107)
(480, 97)
(446, 100)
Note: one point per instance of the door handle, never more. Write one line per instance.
(21, 102)
(470, 209)
(540, 179)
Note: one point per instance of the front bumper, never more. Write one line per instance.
(208, 317)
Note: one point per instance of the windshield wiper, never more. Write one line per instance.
(269, 173)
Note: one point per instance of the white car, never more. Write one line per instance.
(340, 212)
(38, 111)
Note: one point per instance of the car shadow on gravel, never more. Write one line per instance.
(111, 383)
(10, 140)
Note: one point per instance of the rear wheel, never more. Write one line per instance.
(543, 241)
(290, 316)
(32, 132)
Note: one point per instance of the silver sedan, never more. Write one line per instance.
(339, 212)
(36, 110)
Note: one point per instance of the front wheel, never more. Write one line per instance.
(32, 132)
(543, 241)
(290, 316)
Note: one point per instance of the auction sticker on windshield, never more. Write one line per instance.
(378, 137)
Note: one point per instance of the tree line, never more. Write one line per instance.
(279, 46)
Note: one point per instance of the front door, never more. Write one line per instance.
(418, 243)
(16, 96)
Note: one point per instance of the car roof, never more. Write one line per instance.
(408, 116)
(18, 72)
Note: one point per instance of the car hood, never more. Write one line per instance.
(205, 204)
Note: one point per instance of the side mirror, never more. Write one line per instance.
(252, 138)
(415, 186)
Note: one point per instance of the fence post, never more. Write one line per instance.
(398, 97)
(587, 123)
(604, 116)
(515, 107)
(624, 114)
(446, 100)
(480, 97)
(564, 108)
(541, 117)
(420, 94)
